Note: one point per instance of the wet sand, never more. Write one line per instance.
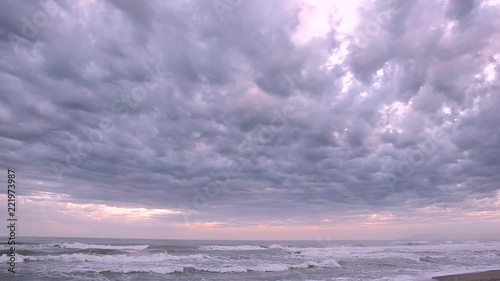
(492, 275)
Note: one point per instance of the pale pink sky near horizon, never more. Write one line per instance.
(51, 215)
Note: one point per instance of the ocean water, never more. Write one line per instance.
(123, 259)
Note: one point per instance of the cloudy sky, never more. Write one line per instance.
(231, 119)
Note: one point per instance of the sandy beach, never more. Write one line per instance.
(492, 275)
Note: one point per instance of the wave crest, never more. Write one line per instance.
(109, 247)
(233, 248)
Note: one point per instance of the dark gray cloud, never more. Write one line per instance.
(181, 105)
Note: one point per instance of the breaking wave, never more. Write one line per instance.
(109, 247)
(233, 248)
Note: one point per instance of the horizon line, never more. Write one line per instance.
(248, 240)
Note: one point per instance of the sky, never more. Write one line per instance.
(232, 119)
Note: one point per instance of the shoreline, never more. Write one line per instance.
(490, 275)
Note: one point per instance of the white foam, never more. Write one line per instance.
(233, 248)
(78, 245)
(4, 258)
(245, 268)
(31, 246)
(110, 259)
(435, 256)
(161, 268)
(126, 268)
(267, 267)
(147, 269)
(329, 263)
(401, 278)
(277, 246)
(388, 251)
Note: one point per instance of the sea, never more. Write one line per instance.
(93, 259)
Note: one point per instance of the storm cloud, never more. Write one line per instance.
(229, 112)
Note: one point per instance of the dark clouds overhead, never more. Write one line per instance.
(222, 114)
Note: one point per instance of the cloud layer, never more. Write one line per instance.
(232, 112)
